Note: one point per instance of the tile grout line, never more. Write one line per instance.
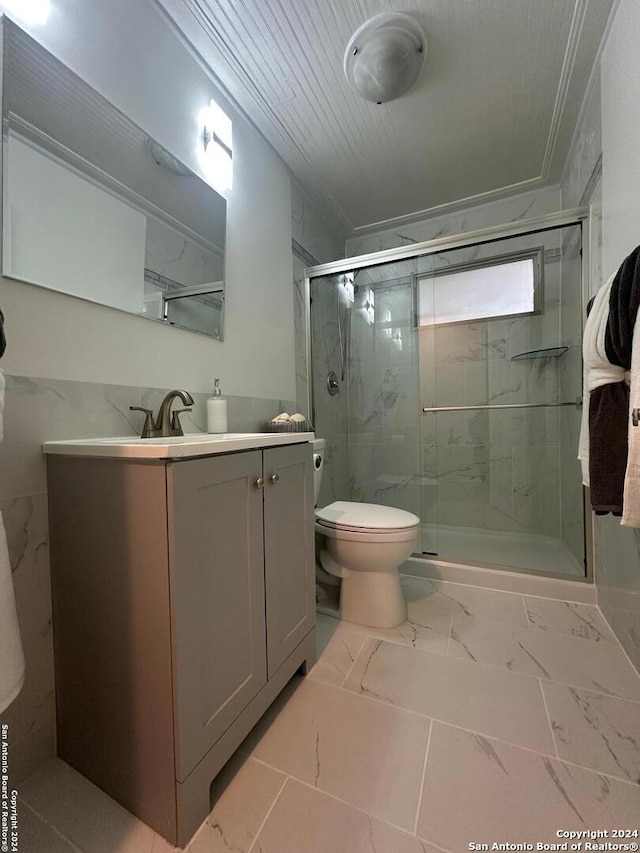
(470, 731)
(526, 613)
(449, 635)
(337, 799)
(528, 749)
(617, 639)
(51, 826)
(422, 781)
(587, 690)
(496, 666)
(365, 637)
(268, 814)
(546, 710)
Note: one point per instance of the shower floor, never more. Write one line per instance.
(532, 553)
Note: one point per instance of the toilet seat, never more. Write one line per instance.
(381, 537)
(370, 519)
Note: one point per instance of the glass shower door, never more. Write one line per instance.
(499, 337)
(363, 335)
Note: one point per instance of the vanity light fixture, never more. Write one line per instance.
(385, 56)
(216, 146)
(29, 11)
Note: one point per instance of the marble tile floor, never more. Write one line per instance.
(528, 551)
(487, 717)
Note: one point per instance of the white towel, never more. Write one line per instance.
(598, 370)
(11, 655)
(631, 506)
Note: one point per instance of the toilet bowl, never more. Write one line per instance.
(363, 545)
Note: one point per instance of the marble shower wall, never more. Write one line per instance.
(329, 344)
(518, 207)
(384, 399)
(39, 410)
(494, 469)
(314, 242)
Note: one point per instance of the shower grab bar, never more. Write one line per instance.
(577, 405)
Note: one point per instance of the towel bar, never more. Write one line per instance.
(577, 404)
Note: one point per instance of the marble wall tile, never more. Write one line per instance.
(170, 254)
(300, 333)
(462, 474)
(617, 571)
(585, 151)
(518, 207)
(535, 489)
(31, 716)
(310, 228)
(39, 410)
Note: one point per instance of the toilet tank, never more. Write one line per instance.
(319, 445)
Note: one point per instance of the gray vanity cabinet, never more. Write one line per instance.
(291, 594)
(184, 601)
(216, 559)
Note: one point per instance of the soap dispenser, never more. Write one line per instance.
(216, 410)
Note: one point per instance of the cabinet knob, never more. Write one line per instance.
(274, 478)
(259, 482)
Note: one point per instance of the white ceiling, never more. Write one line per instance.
(493, 112)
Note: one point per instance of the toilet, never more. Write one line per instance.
(363, 545)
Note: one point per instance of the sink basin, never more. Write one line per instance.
(169, 440)
(174, 447)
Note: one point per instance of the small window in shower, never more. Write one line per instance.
(482, 289)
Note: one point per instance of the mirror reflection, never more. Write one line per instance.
(94, 208)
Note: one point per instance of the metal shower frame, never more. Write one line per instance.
(581, 216)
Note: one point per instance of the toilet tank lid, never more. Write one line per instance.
(366, 516)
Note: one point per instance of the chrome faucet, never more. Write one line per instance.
(167, 423)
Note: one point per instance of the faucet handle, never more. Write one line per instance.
(176, 426)
(149, 428)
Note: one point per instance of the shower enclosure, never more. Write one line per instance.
(446, 379)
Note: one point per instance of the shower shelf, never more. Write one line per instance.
(547, 352)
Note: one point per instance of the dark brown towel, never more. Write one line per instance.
(608, 444)
(609, 404)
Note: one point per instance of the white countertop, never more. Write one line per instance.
(174, 447)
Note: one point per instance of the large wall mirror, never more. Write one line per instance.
(94, 208)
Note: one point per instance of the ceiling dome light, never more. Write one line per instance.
(384, 57)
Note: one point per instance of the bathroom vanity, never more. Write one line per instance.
(183, 602)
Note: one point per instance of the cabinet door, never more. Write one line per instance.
(217, 594)
(289, 549)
